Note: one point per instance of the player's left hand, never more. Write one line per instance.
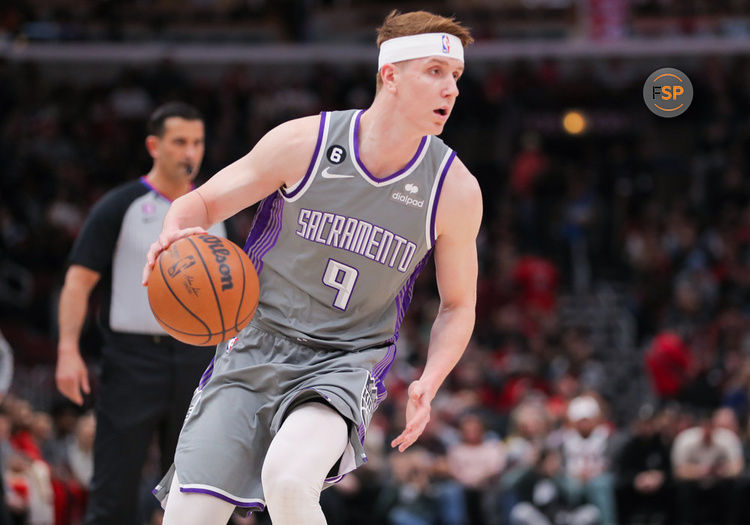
(417, 416)
(165, 239)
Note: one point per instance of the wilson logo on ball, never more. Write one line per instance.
(220, 256)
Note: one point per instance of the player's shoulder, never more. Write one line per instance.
(461, 186)
(302, 129)
(460, 205)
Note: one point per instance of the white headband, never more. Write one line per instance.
(420, 46)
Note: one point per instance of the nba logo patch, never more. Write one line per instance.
(230, 344)
(446, 44)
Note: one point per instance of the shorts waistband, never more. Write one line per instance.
(301, 341)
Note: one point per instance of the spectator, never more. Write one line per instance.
(476, 462)
(586, 450)
(644, 473)
(81, 450)
(542, 497)
(407, 500)
(706, 460)
(669, 363)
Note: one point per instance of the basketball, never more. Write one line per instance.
(203, 290)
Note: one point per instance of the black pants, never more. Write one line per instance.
(146, 386)
(699, 504)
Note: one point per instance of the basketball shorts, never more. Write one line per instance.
(254, 381)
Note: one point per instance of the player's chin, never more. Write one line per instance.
(437, 128)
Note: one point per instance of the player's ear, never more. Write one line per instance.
(152, 145)
(389, 75)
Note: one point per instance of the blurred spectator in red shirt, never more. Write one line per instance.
(537, 280)
(668, 361)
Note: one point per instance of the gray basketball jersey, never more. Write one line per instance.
(339, 252)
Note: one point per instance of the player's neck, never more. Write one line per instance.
(168, 187)
(381, 131)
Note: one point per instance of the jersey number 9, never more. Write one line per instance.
(341, 278)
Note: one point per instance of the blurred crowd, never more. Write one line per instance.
(328, 20)
(529, 427)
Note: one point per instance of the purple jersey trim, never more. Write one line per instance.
(441, 179)
(364, 168)
(234, 502)
(265, 229)
(150, 186)
(318, 144)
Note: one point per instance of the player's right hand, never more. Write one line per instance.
(72, 376)
(166, 238)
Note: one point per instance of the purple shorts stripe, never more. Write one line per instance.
(385, 363)
(335, 479)
(236, 503)
(318, 144)
(206, 375)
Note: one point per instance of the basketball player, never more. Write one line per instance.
(147, 377)
(353, 204)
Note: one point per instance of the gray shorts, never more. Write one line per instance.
(244, 395)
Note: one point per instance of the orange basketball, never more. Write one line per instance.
(203, 290)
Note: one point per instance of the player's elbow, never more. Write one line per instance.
(461, 312)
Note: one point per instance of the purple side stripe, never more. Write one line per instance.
(260, 221)
(323, 116)
(206, 375)
(364, 168)
(234, 502)
(403, 299)
(381, 370)
(437, 196)
(265, 230)
(268, 226)
(269, 241)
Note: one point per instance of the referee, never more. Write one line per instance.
(147, 378)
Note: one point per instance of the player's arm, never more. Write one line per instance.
(280, 158)
(458, 218)
(71, 374)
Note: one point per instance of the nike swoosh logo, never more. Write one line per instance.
(328, 175)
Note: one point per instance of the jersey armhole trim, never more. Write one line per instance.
(294, 192)
(437, 187)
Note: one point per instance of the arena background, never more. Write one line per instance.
(614, 261)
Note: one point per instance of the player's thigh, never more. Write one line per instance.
(190, 508)
(309, 443)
